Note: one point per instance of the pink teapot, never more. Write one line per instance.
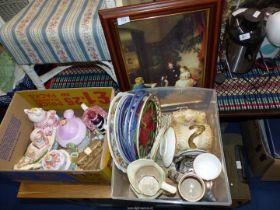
(44, 120)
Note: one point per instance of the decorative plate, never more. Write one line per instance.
(118, 126)
(117, 158)
(131, 119)
(147, 125)
(133, 122)
(122, 111)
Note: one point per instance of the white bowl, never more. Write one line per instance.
(207, 166)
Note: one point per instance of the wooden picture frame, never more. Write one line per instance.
(164, 43)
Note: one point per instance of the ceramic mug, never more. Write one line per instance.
(147, 179)
(190, 186)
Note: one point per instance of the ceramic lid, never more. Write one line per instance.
(56, 160)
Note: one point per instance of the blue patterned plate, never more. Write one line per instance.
(118, 159)
(130, 119)
(118, 125)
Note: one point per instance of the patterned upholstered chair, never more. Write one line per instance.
(56, 31)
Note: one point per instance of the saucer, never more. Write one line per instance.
(167, 147)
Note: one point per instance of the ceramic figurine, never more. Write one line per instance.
(94, 117)
(48, 121)
(40, 145)
(39, 139)
(72, 130)
(193, 137)
(56, 160)
(189, 117)
(192, 130)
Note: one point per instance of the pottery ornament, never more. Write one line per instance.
(94, 117)
(71, 130)
(47, 121)
(39, 146)
(188, 117)
(197, 136)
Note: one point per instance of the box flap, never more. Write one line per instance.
(61, 99)
(254, 140)
(273, 172)
(14, 129)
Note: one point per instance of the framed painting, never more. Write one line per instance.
(164, 43)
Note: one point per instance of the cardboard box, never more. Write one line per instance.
(236, 168)
(16, 128)
(261, 162)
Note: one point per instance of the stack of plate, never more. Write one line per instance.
(133, 124)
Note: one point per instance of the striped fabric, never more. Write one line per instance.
(83, 75)
(56, 31)
(255, 90)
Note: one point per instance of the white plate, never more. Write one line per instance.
(167, 147)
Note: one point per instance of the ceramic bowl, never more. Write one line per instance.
(207, 166)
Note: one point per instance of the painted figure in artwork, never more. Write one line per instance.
(186, 79)
(171, 76)
(139, 83)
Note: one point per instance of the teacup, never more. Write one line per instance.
(190, 186)
(148, 179)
